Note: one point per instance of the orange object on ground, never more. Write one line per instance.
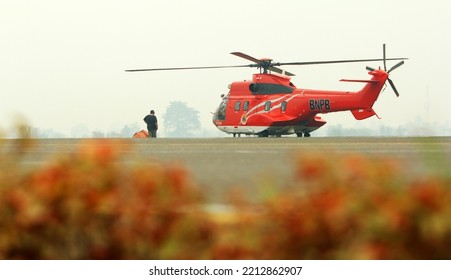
(141, 134)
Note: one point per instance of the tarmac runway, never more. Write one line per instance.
(218, 164)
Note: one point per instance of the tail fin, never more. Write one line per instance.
(370, 92)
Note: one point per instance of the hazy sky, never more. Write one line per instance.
(62, 62)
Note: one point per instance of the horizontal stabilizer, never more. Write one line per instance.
(361, 114)
(359, 81)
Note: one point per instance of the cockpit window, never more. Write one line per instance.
(222, 110)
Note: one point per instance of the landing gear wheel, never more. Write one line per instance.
(306, 134)
(299, 134)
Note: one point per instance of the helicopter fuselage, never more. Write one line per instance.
(270, 104)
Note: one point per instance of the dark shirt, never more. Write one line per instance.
(151, 121)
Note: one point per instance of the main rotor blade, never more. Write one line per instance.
(396, 66)
(385, 64)
(334, 61)
(189, 68)
(393, 87)
(245, 56)
(370, 68)
(280, 71)
(259, 61)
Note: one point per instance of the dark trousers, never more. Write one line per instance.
(152, 133)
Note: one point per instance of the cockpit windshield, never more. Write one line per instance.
(222, 109)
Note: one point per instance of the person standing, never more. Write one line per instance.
(152, 124)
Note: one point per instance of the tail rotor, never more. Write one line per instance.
(388, 72)
(396, 66)
(393, 87)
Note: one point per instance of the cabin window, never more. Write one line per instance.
(245, 105)
(283, 106)
(237, 105)
(268, 105)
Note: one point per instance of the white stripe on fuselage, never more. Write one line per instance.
(249, 113)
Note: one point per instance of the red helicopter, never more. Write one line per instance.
(271, 105)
